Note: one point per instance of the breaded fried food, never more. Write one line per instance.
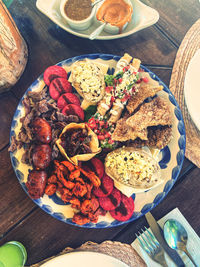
(158, 137)
(144, 91)
(123, 132)
(156, 112)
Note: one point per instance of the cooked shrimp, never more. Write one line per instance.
(89, 206)
(75, 174)
(69, 165)
(79, 190)
(50, 189)
(75, 202)
(52, 179)
(92, 177)
(66, 195)
(80, 219)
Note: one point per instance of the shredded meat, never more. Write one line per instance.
(42, 106)
(15, 144)
(39, 104)
(37, 96)
(27, 105)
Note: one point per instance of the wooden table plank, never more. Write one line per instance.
(44, 236)
(15, 204)
(185, 196)
(8, 104)
(176, 17)
(186, 169)
(48, 44)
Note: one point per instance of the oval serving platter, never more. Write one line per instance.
(170, 158)
(143, 17)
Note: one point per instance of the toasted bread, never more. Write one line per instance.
(145, 91)
(158, 137)
(123, 132)
(154, 113)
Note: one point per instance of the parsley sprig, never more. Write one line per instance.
(109, 79)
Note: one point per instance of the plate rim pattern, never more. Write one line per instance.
(147, 207)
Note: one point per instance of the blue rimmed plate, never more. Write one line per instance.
(170, 158)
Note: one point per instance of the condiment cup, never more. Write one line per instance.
(78, 25)
(108, 27)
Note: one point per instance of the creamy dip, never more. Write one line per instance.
(132, 168)
(115, 12)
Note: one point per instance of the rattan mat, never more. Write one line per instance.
(124, 252)
(187, 49)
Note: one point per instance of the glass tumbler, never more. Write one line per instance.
(12, 254)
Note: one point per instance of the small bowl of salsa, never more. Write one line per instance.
(79, 14)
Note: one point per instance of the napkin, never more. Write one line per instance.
(193, 244)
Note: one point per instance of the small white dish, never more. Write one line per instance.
(108, 27)
(143, 17)
(79, 25)
(191, 88)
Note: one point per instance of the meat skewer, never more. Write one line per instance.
(105, 104)
(128, 78)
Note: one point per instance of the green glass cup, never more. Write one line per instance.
(7, 3)
(12, 254)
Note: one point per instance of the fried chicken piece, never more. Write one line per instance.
(144, 91)
(156, 112)
(158, 137)
(123, 132)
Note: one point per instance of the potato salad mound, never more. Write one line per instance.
(134, 168)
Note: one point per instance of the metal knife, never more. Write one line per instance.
(158, 233)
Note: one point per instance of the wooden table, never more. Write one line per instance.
(156, 46)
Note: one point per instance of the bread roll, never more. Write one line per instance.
(13, 50)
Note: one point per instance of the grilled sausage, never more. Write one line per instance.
(42, 156)
(42, 130)
(36, 183)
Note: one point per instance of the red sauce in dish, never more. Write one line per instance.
(115, 12)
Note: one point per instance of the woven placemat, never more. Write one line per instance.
(187, 49)
(124, 252)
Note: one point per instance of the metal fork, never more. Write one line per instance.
(149, 243)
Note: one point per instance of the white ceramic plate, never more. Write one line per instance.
(84, 259)
(192, 89)
(143, 17)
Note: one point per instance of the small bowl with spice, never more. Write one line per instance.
(79, 14)
(115, 14)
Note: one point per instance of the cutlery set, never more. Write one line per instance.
(172, 237)
(149, 243)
